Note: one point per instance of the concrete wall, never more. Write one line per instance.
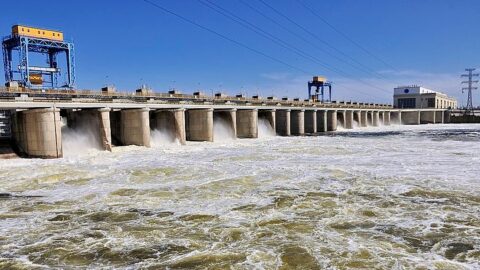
(386, 118)
(38, 132)
(332, 120)
(199, 124)
(170, 122)
(440, 117)
(411, 117)
(247, 123)
(311, 121)
(322, 121)
(297, 122)
(282, 122)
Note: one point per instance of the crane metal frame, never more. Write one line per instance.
(319, 91)
(25, 45)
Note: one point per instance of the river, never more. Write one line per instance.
(397, 197)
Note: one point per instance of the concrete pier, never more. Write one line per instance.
(349, 120)
(228, 117)
(332, 120)
(322, 121)
(247, 123)
(199, 124)
(411, 118)
(375, 118)
(297, 122)
(37, 132)
(269, 116)
(170, 122)
(311, 121)
(364, 119)
(282, 122)
(135, 127)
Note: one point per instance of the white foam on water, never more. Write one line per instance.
(160, 138)
(82, 140)
(273, 179)
(222, 132)
(265, 130)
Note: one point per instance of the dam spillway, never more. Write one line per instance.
(121, 119)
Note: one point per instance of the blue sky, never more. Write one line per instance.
(129, 43)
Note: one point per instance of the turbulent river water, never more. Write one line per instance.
(398, 197)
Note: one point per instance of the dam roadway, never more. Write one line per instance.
(35, 117)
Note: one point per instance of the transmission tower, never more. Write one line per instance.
(469, 109)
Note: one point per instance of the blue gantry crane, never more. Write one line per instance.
(319, 83)
(26, 41)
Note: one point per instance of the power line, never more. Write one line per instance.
(313, 35)
(345, 35)
(238, 43)
(276, 40)
(469, 109)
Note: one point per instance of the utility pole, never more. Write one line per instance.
(470, 88)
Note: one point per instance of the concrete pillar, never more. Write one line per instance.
(282, 122)
(311, 121)
(297, 122)
(247, 123)
(135, 127)
(104, 128)
(172, 122)
(332, 120)
(269, 115)
(199, 124)
(375, 118)
(410, 117)
(439, 117)
(364, 118)
(387, 118)
(427, 117)
(322, 122)
(349, 120)
(38, 132)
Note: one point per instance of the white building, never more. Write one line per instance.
(418, 97)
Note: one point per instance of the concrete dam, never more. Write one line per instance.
(33, 119)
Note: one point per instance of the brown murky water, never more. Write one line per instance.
(405, 198)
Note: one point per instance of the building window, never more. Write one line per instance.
(407, 103)
(430, 102)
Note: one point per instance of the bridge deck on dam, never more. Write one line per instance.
(35, 119)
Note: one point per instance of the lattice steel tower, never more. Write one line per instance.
(470, 88)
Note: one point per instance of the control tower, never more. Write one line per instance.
(29, 42)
